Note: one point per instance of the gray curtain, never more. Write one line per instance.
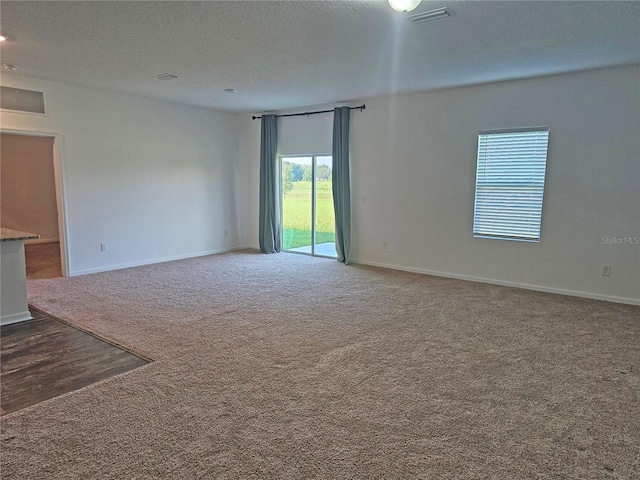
(270, 241)
(341, 182)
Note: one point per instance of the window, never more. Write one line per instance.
(510, 184)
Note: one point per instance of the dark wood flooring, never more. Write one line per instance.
(44, 357)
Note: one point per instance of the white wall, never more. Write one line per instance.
(157, 180)
(250, 156)
(28, 187)
(305, 135)
(154, 180)
(413, 174)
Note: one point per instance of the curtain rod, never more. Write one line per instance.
(306, 114)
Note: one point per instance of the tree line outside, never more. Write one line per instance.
(295, 172)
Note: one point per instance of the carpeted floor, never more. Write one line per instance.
(291, 367)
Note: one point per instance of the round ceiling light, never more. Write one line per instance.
(404, 5)
(2, 38)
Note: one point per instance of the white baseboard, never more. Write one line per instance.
(537, 288)
(41, 240)
(15, 318)
(151, 261)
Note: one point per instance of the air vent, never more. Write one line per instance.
(20, 100)
(165, 76)
(431, 15)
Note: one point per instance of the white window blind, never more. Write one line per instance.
(510, 184)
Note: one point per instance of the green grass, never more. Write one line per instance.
(296, 213)
(293, 238)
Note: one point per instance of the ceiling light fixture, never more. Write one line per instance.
(9, 68)
(230, 90)
(2, 38)
(404, 5)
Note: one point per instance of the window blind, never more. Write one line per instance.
(510, 184)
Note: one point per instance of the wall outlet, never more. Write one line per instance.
(103, 247)
(606, 270)
(384, 245)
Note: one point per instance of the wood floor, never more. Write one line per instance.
(42, 260)
(44, 358)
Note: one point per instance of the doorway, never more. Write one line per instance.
(30, 200)
(308, 221)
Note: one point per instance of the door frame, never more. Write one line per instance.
(59, 183)
(314, 167)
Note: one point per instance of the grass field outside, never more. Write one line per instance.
(296, 215)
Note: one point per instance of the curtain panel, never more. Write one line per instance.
(269, 218)
(341, 184)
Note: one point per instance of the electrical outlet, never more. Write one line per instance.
(103, 247)
(606, 270)
(384, 245)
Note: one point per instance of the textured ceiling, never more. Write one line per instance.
(289, 54)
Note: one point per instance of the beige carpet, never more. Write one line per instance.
(292, 367)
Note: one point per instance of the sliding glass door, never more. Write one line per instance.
(308, 222)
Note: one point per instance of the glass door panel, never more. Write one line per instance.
(297, 208)
(325, 234)
(308, 224)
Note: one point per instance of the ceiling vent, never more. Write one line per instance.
(19, 100)
(165, 76)
(431, 15)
